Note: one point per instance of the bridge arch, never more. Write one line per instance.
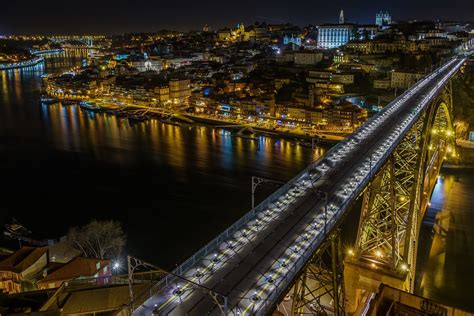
(394, 204)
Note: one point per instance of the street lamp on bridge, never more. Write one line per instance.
(256, 181)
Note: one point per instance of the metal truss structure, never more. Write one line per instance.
(395, 199)
(320, 288)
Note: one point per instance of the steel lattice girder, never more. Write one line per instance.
(320, 278)
(388, 202)
(389, 223)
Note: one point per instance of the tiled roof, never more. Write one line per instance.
(77, 267)
(22, 259)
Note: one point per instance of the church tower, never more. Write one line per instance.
(341, 17)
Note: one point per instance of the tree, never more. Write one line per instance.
(98, 239)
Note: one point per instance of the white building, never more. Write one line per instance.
(382, 84)
(335, 35)
(344, 78)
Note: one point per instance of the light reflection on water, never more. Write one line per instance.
(173, 187)
(446, 253)
(185, 146)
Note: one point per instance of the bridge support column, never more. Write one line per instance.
(362, 281)
(320, 287)
(386, 243)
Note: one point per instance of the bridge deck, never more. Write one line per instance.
(253, 267)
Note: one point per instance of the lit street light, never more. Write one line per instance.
(115, 267)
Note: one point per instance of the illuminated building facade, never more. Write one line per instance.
(180, 90)
(404, 80)
(292, 40)
(383, 19)
(334, 35)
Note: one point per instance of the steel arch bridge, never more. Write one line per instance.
(290, 240)
(86, 40)
(394, 203)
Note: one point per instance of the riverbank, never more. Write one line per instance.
(321, 138)
(143, 113)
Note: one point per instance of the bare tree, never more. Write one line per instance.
(98, 239)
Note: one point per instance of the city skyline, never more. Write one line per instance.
(116, 17)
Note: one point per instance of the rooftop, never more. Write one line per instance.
(76, 268)
(22, 259)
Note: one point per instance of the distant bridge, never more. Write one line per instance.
(85, 40)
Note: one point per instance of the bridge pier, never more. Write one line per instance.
(320, 288)
(362, 281)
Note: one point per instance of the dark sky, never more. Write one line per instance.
(119, 16)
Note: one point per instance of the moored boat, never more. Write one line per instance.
(88, 106)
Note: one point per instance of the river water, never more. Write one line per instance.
(446, 251)
(173, 187)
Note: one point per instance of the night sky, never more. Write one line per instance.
(119, 16)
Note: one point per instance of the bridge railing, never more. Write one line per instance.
(239, 224)
(299, 264)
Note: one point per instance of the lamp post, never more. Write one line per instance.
(134, 264)
(116, 267)
(324, 195)
(256, 181)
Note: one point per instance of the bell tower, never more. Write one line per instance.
(341, 17)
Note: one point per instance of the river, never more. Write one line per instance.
(172, 187)
(446, 253)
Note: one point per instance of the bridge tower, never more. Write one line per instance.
(393, 207)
